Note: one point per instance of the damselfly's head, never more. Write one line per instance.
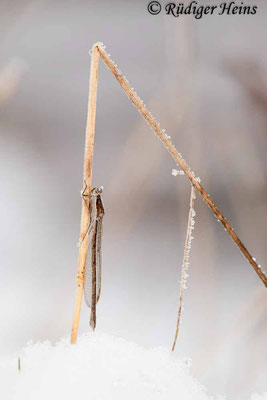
(96, 191)
(96, 200)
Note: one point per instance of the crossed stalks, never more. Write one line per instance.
(98, 50)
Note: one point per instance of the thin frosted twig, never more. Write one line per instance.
(185, 265)
(165, 140)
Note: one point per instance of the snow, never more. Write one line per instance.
(99, 367)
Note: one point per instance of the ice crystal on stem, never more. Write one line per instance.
(185, 265)
(176, 172)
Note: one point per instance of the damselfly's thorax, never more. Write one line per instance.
(97, 207)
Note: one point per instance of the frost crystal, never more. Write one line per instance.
(164, 133)
(176, 172)
(101, 45)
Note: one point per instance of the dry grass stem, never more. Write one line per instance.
(176, 156)
(87, 176)
(188, 240)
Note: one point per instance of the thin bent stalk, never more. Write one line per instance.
(87, 176)
(185, 265)
(176, 156)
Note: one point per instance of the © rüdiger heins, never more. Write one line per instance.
(231, 8)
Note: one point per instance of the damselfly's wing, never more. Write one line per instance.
(88, 278)
(93, 259)
(99, 234)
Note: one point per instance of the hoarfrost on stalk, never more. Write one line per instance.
(101, 44)
(185, 265)
(176, 172)
(167, 136)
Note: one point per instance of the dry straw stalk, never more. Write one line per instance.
(87, 177)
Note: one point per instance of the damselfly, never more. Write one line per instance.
(92, 279)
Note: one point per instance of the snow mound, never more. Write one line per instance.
(98, 367)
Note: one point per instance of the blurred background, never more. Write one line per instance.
(205, 82)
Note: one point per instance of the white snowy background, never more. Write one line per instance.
(204, 82)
